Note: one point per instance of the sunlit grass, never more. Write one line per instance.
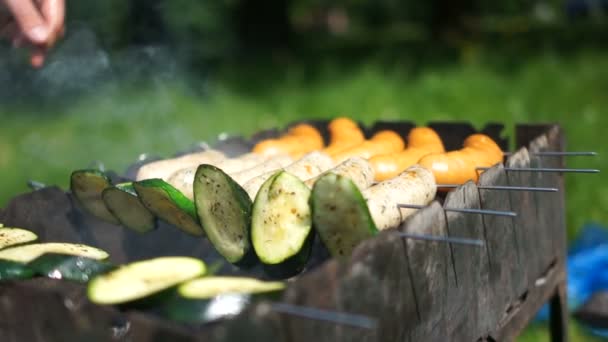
(118, 122)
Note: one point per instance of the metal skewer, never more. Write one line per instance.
(462, 241)
(504, 187)
(465, 210)
(560, 154)
(542, 169)
(355, 320)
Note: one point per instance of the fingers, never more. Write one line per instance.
(37, 57)
(30, 20)
(53, 12)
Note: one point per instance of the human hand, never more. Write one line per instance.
(36, 24)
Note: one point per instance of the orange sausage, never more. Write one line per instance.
(381, 143)
(344, 133)
(298, 140)
(421, 142)
(458, 167)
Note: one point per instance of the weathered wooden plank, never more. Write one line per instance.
(526, 227)
(506, 280)
(374, 282)
(55, 310)
(554, 204)
(543, 206)
(316, 289)
(377, 283)
(429, 264)
(526, 308)
(469, 297)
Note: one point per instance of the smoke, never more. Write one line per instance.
(81, 65)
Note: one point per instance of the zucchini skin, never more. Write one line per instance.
(12, 270)
(93, 204)
(181, 202)
(208, 298)
(189, 310)
(207, 217)
(129, 194)
(294, 264)
(69, 267)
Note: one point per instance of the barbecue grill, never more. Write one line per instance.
(394, 287)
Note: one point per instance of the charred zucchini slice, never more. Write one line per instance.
(224, 211)
(340, 214)
(87, 187)
(169, 204)
(143, 279)
(27, 253)
(122, 201)
(281, 226)
(15, 236)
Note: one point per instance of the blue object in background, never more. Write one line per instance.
(587, 265)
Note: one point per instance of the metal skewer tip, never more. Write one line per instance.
(504, 187)
(462, 241)
(465, 210)
(543, 169)
(355, 320)
(559, 154)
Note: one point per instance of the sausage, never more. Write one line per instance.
(382, 142)
(416, 185)
(356, 169)
(458, 167)
(421, 141)
(165, 168)
(344, 133)
(183, 179)
(298, 140)
(309, 166)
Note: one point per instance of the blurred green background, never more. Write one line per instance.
(157, 76)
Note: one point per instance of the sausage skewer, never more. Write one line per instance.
(504, 187)
(433, 238)
(464, 210)
(542, 169)
(560, 154)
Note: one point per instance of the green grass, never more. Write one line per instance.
(46, 142)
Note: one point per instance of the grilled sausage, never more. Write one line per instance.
(356, 169)
(298, 140)
(416, 185)
(307, 167)
(382, 142)
(344, 133)
(165, 168)
(421, 142)
(458, 167)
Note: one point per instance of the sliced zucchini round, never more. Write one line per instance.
(211, 298)
(224, 211)
(281, 225)
(70, 267)
(142, 279)
(169, 204)
(27, 253)
(15, 236)
(340, 214)
(11, 270)
(122, 201)
(87, 187)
